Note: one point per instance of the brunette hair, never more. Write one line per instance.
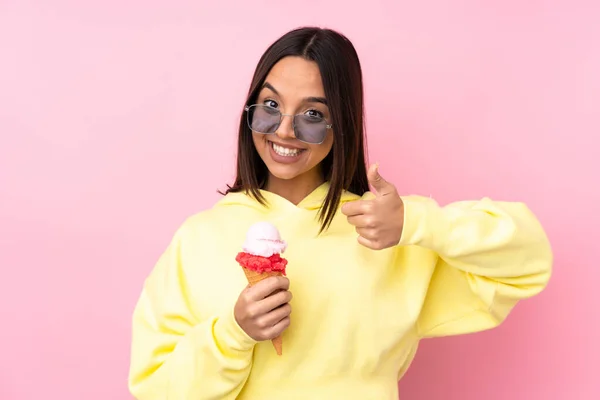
(344, 167)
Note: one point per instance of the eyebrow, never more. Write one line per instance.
(311, 99)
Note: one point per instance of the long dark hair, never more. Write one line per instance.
(344, 167)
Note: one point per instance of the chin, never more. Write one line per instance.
(284, 172)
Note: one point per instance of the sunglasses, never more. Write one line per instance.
(266, 120)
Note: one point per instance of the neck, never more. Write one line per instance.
(294, 190)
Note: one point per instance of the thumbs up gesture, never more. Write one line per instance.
(378, 221)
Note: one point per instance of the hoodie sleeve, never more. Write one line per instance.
(174, 354)
(490, 255)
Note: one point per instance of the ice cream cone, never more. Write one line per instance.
(255, 277)
(261, 258)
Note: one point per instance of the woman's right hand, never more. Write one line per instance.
(263, 310)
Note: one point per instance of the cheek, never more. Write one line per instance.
(259, 142)
(321, 151)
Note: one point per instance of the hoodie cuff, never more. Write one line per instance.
(415, 228)
(229, 334)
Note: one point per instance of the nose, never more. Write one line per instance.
(286, 128)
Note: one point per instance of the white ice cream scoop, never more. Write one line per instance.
(263, 239)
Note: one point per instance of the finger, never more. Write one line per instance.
(357, 207)
(278, 328)
(267, 286)
(275, 300)
(361, 221)
(272, 318)
(381, 186)
(367, 243)
(370, 243)
(367, 233)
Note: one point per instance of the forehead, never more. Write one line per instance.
(296, 77)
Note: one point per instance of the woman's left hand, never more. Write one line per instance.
(378, 221)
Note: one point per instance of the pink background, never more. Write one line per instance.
(117, 120)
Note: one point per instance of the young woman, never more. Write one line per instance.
(372, 272)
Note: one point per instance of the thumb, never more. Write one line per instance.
(381, 186)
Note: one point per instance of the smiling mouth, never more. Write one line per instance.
(286, 151)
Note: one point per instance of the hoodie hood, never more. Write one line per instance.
(314, 200)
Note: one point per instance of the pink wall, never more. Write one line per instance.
(117, 121)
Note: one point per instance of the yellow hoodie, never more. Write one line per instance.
(358, 314)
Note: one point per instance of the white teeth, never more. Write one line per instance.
(284, 151)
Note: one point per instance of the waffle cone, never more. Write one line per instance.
(255, 277)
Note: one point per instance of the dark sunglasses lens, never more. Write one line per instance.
(310, 129)
(263, 119)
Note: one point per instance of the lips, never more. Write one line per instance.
(286, 150)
